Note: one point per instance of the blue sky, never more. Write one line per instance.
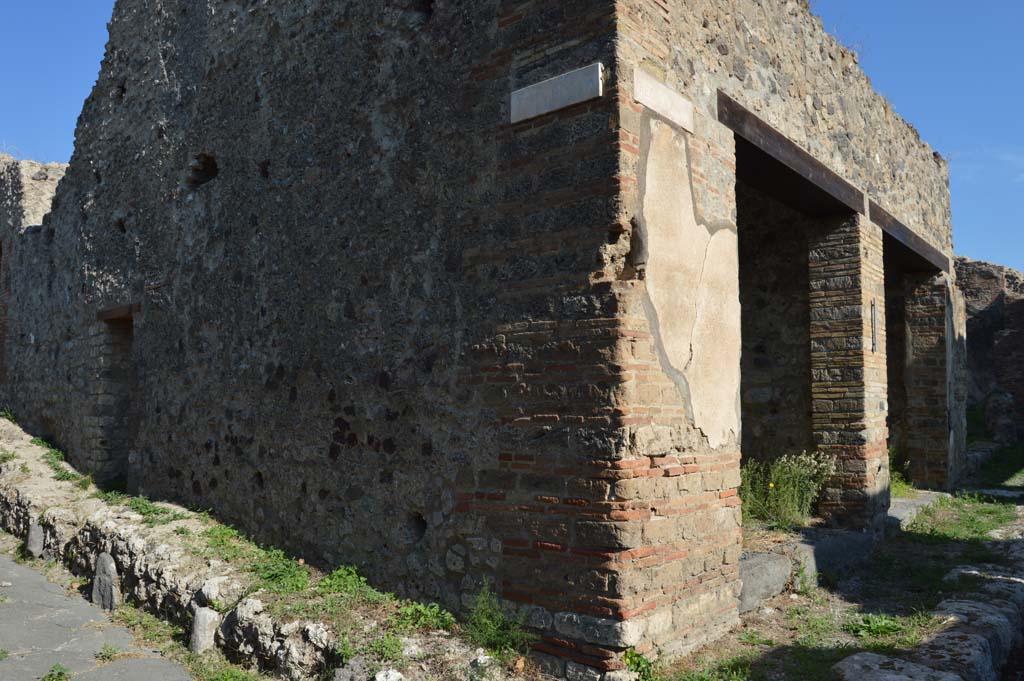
(954, 69)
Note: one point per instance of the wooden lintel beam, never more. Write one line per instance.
(769, 140)
(908, 237)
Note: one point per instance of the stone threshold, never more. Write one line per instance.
(153, 568)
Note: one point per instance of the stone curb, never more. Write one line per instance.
(981, 635)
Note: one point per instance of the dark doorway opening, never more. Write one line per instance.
(115, 404)
(777, 213)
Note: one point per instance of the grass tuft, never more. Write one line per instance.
(55, 459)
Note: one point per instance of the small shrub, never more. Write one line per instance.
(489, 627)
(7, 414)
(58, 672)
(7, 456)
(783, 492)
(416, 616)
(3, 654)
(635, 662)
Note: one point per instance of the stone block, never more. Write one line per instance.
(34, 543)
(106, 583)
(764, 576)
(204, 629)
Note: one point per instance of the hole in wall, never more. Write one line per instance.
(417, 526)
(419, 13)
(202, 170)
(120, 226)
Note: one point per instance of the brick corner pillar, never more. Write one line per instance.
(848, 365)
(935, 438)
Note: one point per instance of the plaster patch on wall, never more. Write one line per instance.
(693, 288)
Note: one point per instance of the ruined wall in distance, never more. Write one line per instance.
(995, 347)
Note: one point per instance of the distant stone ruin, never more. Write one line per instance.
(995, 347)
(480, 293)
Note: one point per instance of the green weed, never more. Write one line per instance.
(4, 654)
(58, 672)
(874, 626)
(384, 650)
(346, 581)
(279, 573)
(107, 653)
(489, 627)
(7, 456)
(640, 665)
(753, 638)
(416, 616)
(783, 492)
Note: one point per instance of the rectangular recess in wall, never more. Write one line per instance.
(744, 123)
(560, 92)
(908, 237)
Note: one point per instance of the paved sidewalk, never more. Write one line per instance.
(41, 626)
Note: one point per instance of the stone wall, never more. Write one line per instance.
(303, 272)
(995, 346)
